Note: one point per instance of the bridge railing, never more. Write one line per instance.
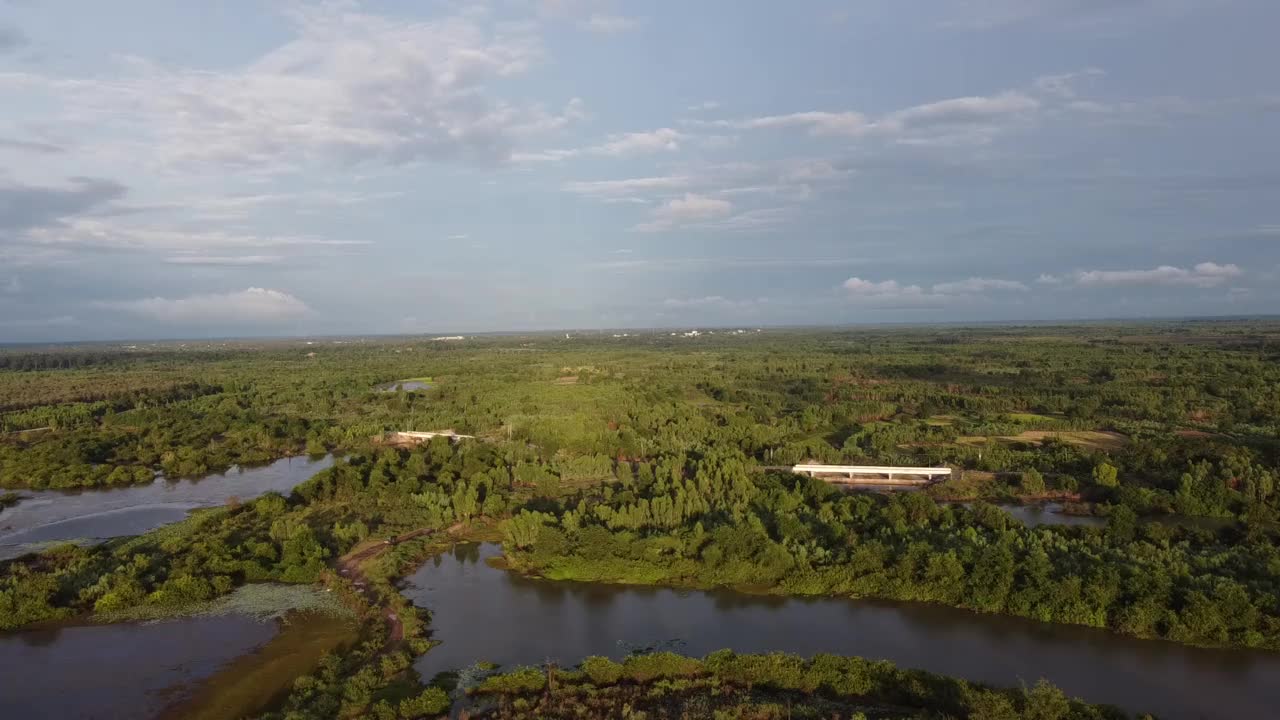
(923, 474)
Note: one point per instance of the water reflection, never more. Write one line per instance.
(1050, 514)
(1039, 514)
(481, 613)
(52, 515)
(110, 672)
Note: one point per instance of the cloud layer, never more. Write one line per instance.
(253, 306)
(454, 167)
(349, 88)
(1203, 275)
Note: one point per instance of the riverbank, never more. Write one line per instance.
(482, 614)
(726, 684)
(120, 671)
(641, 568)
(263, 678)
(41, 517)
(242, 652)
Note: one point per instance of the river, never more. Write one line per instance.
(484, 614)
(45, 516)
(1050, 514)
(125, 672)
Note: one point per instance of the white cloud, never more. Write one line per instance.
(704, 106)
(908, 123)
(251, 306)
(618, 145)
(1203, 275)
(721, 264)
(241, 206)
(224, 260)
(706, 196)
(716, 302)
(691, 208)
(608, 24)
(115, 235)
(816, 122)
(607, 189)
(857, 287)
(891, 295)
(1047, 279)
(641, 142)
(796, 179)
(348, 88)
(959, 111)
(977, 285)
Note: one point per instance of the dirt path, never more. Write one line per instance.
(349, 567)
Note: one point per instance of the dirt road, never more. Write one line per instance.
(349, 567)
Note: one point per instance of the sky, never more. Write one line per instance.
(275, 167)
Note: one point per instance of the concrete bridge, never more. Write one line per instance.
(873, 474)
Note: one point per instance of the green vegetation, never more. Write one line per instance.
(182, 567)
(264, 601)
(655, 460)
(711, 522)
(1186, 413)
(767, 687)
(9, 499)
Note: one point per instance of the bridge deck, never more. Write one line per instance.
(873, 474)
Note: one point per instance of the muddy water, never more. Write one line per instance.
(263, 678)
(485, 614)
(44, 516)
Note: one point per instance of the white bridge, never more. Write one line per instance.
(873, 474)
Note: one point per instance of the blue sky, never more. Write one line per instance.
(258, 168)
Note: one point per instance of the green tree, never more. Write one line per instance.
(430, 702)
(1032, 482)
(1105, 475)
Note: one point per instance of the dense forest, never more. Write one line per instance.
(766, 687)
(660, 460)
(1186, 414)
(711, 523)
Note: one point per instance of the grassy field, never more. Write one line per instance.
(1091, 439)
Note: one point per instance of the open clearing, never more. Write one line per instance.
(1093, 439)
